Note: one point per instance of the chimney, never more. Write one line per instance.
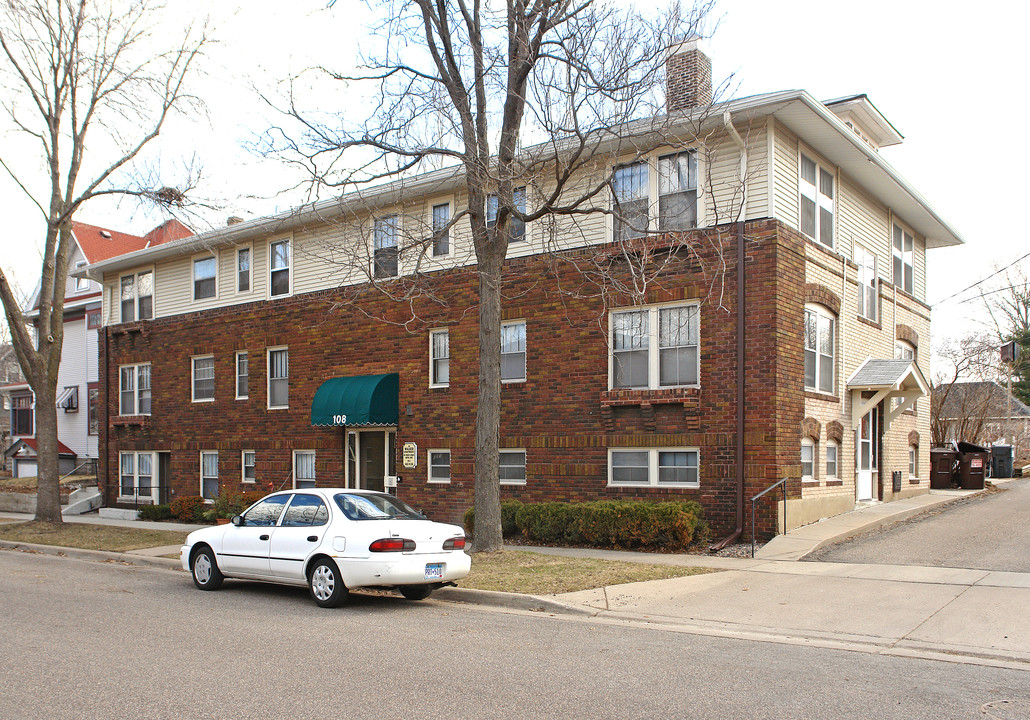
(688, 76)
(234, 220)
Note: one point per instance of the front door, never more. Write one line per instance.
(370, 458)
(866, 460)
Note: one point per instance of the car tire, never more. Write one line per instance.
(204, 570)
(326, 585)
(415, 592)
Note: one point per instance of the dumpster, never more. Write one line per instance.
(972, 470)
(1001, 461)
(942, 465)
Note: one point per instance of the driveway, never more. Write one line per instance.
(984, 532)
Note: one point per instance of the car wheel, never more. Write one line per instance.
(415, 592)
(206, 574)
(325, 583)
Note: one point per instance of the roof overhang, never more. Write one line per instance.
(884, 380)
(357, 401)
(869, 117)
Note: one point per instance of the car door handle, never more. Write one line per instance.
(312, 538)
(263, 537)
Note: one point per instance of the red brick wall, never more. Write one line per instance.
(562, 415)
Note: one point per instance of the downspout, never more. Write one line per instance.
(727, 121)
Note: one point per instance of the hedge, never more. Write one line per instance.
(618, 524)
(155, 512)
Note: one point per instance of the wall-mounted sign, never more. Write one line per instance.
(409, 455)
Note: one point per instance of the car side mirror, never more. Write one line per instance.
(237, 520)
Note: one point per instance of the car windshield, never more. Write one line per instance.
(376, 507)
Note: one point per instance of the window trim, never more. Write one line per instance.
(249, 247)
(525, 352)
(835, 446)
(154, 488)
(243, 467)
(246, 354)
(525, 466)
(398, 228)
(269, 378)
(913, 462)
(30, 409)
(807, 442)
(433, 382)
(896, 255)
(654, 344)
(429, 466)
(288, 239)
(863, 287)
(135, 293)
(314, 469)
(820, 166)
(822, 313)
(135, 389)
(432, 228)
(193, 378)
(653, 468)
(193, 277)
(216, 476)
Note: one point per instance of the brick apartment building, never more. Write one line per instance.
(267, 361)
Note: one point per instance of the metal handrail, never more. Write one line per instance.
(67, 474)
(782, 483)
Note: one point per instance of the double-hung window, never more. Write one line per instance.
(303, 469)
(209, 475)
(439, 466)
(439, 358)
(513, 351)
(903, 242)
(867, 290)
(655, 347)
(137, 296)
(21, 415)
(242, 375)
(136, 475)
(677, 192)
(518, 226)
(134, 389)
(203, 378)
(243, 269)
(831, 460)
(630, 202)
(279, 268)
(205, 271)
(664, 467)
(913, 462)
(441, 232)
(385, 250)
(278, 377)
(639, 193)
(512, 467)
(807, 460)
(248, 464)
(817, 193)
(819, 350)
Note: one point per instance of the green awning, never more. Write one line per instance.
(359, 400)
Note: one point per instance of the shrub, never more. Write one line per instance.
(185, 508)
(155, 512)
(509, 510)
(228, 504)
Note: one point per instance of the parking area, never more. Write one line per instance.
(984, 532)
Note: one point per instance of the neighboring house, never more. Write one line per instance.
(257, 370)
(10, 379)
(78, 387)
(984, 413)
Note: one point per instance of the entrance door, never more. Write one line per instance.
(866, 460)
(370, 458)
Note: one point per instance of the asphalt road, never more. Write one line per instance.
(93, 640)
(986, 532)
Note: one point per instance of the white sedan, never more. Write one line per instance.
(331, 540)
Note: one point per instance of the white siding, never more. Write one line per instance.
(73, 427)
(785, 189)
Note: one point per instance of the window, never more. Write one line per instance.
(305, 511)
(819, 350)
(913, 462)
(674, 185)
(242, 375)
(513, 351)
(630, 187)
(904, 351)
(303, 468)
(137, 296)
(278, 378)
(518, 226)
(441, 233)
(68, 400)
(867, 295)
(243, 269)
(204, 278)
(439, 358)
(209, 475)
(93, 409)
(677, 192)
(266, 513)
(671, 467)
(807, 460)
(512, 467)
(655, 347)
(385, 250)
(439, 466)
(136, 475)
(81, 283)
(203, 378)
(134, 389)
(93, 319)
(831, 460)
(903, 258)
(21, 415)
(279, 268)
(248, 463)
(816, 201)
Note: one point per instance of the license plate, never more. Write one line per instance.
(434, 571)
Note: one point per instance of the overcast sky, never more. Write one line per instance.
(948, 75)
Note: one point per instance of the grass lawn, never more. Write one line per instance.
(89, 537)
(527, 572)
(28, 484)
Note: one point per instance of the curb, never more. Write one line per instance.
(511, 601)
(93, 555)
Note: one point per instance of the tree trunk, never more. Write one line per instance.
(48, 492)
(487, 536)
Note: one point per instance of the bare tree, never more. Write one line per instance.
(465, 89)
(89, 85)
(963, 396)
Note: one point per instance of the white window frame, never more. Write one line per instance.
(203, 477)
(525, 465)
(654, 345)
(867, 282)
(493, 205)
(152, 498)
(288, 240)
(443, 235)
(379, 226)
(269, 378)
(653, 467)
(814, 194)
(314, 472)
(823, 317)
(808, 447)
(246, 355)
(193, 378)
(523, 352)
(430, 465)
(135, 389)
(913, 462)
(243, 466)
(903, 259)
(434, 381)
(832, 448)
(135, 294)
(193, 277)
(249, 249)
(82, 282)
(654, 193)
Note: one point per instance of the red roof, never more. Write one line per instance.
(62, 449)
(99, 243)
(171, 230)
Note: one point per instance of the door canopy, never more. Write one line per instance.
(357, 400)
(885, 379)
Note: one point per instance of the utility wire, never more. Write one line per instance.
(982, 280)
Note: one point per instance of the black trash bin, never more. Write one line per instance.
(973, 461)
(942, 463)
(1001, 461)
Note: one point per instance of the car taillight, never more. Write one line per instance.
(457, 543)
(392, 545)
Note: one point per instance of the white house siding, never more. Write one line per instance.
(786, 204)
(73, 427)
